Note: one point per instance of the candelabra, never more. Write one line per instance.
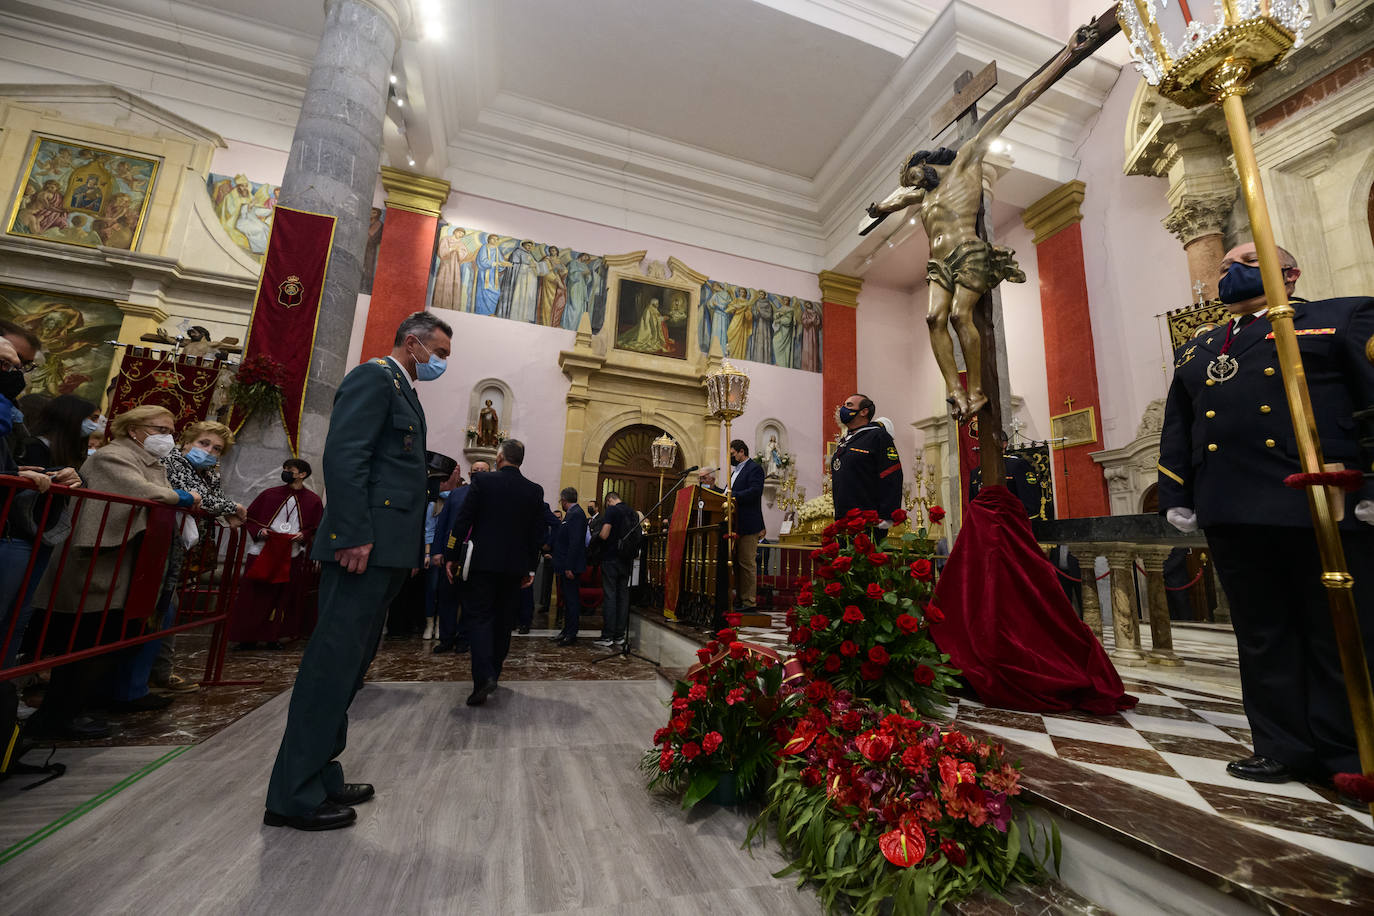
(1214, 57)
(727, 392)
(663, 454)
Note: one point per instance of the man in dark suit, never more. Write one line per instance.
(453, 625)
(746, 491)
(1225, 449)
(504, 515)
(371, 538)
(570, 562)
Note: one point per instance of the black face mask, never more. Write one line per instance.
(847, 414)
(733, 461)
(288, 477)
(12, 383)
(1241, 283)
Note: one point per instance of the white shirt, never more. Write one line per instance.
(404, 373)
(1235, 322)
(734, 472)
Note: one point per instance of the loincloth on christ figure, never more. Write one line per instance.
(975, 265)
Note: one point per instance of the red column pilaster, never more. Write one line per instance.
(1070, 361)
(401, 278)
(839, 345)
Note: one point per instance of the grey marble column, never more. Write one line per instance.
(1086, 555)
(333, 167)
(1161, 632)
(1126, 652)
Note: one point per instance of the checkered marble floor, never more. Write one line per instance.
(1176, 744)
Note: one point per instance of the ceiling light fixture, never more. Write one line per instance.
(400, 102)
(912, 221)
(411, 160)
(392, 77)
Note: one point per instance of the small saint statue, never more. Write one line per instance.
(773, 458)
(487, 427)
(946, 188)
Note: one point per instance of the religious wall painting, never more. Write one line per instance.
(651, 319)
(486, 273)
(72, 330)
(759, 326)
(244, 208)
(82, 195)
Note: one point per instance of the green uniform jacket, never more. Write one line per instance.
(374, 468)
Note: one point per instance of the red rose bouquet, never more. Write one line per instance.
(722, 725)
(862, 625)
(876, 805)
(258, 384)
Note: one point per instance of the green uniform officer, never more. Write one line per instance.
(371, 536)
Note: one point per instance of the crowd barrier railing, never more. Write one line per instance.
(63, 602)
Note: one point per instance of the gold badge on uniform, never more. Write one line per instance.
(290, 292)
(892, 453)
(1187, 355)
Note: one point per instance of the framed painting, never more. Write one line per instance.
(82, 195)
(651, 319)
(72, 332)
(1077, 427)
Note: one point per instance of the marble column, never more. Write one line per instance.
(1161, 633)
(1197, 221)
(1120, 559)
(839, 346)
(333, 165)
(1086, 555)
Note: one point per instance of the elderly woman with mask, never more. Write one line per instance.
(106, 540)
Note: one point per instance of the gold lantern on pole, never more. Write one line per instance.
(663, 454)
(1213, 57)
(727, 392)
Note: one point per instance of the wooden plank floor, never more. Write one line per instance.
(531, 804)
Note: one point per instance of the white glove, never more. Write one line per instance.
(1185, 520)
(1364, 511)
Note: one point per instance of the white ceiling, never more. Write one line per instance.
(758, 127)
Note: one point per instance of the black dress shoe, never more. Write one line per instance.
(328, 816)
(567, 640)
(442, 648)
(523, 631)
(149, 702)
(1259, 769)
(81, 729)
(352, 793)
(479, 694)
(462, 647)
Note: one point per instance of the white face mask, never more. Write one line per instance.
(160, 445)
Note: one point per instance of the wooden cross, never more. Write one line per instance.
(1068, 402)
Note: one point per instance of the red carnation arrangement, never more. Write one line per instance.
(258, 384)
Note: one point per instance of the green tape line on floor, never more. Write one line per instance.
(89, 805)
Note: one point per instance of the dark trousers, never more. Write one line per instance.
(572, 604)
(615, 604)
(352, 610)
(72, 685)
(1290, 670)
(525, 615)
(491, 602)
(452, 627)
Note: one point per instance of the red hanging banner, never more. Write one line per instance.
(281, 333)
(185, 385)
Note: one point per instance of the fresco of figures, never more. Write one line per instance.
(761, 327)
(72, 332)
(82, 195)
(244, 209)
(490, 274)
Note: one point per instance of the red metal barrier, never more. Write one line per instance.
(205, 583)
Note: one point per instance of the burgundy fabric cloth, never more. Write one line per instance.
(275, 612)
(1008, 624)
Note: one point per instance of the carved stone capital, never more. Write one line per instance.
(1196, 216)
(841, 289)
(417, 193)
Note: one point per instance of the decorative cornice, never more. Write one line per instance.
(142, 310)
(417, 193)
(1059, 209)
(841, 289)
(1196, 216)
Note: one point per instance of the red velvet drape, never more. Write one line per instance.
(1008, 624)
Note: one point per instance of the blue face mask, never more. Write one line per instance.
(429, 371)
(90, 427)
(1241, 283)
(847, 415)
(200, 459)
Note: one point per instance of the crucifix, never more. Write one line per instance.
(946, 189)
(1068, 402)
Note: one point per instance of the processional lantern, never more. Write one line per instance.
(727, 392)
(663, 454)
(1213, 56)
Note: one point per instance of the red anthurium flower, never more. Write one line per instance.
(908, 624)
(711, 742)
(852, 614)
(902, 849)
(849, 648)
(878, 655)
(925, 675)
(875, 591)
(801, 738)
(874, 746)
(898, 516)
(936, 514)
(834, 588)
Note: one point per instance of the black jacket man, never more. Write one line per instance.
(370, 539)
(1225, 449)
(570, 562)
(865, 471)
(746, 488)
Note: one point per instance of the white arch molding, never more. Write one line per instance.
(505, 408)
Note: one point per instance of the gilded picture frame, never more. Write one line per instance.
(1077, 427)
(76, 193)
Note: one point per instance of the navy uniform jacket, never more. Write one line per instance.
(570, 542)
(748, 493)
(1227, 446)
(374, 469)
(504, 515)
(866, 473)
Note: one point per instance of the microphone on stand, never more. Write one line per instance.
(689, 470)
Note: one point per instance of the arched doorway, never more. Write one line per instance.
(627, 467)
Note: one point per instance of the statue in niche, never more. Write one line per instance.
(488, 427)
(772, 458)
